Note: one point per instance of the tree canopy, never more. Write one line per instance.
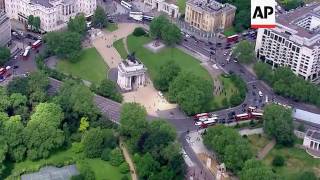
(4, 55)
(99, 17)
(191, 92)
(108, 89)
(168, 72)
(93, 142)
(278, 123)
(231, 148)
(242, 18)
(78, 24)
(244, 51)
(42, 134)
(255, 169)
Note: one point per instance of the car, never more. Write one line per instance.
(260, 93)
(222, 64)
(234, 60)
(254, 86)
(160, 94)
(244, 105)
(210, 43)
(15, 67)
(212, 48)
(212, 52)
(227, 47)
(253, 93)
(187, 35)
(185, 39)
(15, 57)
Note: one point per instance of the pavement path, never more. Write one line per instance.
(250, 131)
(264, 152)
(104, 43)
(128, 159)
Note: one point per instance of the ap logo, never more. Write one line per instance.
(263, 14)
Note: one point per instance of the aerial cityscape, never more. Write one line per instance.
(159, 90)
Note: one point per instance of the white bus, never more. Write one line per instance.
(205, 124)
(136, 15)
(26, 51)
(126, 5)
(148, 18)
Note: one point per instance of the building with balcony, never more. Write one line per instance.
(294, 43)
(5, 29)
(209, 15)
(54, 14)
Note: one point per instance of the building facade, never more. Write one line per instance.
(294, 43)
(209, 15)
(166, 6)
(131, 74)
(5, 29)
(311, 142)
(54, 14)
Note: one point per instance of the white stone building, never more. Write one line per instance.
(131, 74)
(165, 6)
(295, 42)
(5, 29)
(311, 142)
(54, 14)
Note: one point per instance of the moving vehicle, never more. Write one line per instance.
(147, 18)
(260, 93)
(232, 38)
(198, 116)
(26, 52)
(205, 124)
(36, 44)
(138, 16)
(241, 117)
(126, 5)
(256, 115)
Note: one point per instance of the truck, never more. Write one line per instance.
(232, 38)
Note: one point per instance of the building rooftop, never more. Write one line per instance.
(314, 134)
(45, 3)
(306, 116)
(305, 21)
(3, 17)
(211, 6)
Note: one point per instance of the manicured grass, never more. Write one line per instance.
(258, 142)
(229, 89)
(182, 6)
(90, 66)
(102, 169)
(154, 60)
(230, 31)
(112, 27)
(297, 161)
(119, 45)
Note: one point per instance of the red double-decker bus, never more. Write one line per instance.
(36, 44)
(232, 38)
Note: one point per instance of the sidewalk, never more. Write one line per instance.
(128, 160)
(264, 152)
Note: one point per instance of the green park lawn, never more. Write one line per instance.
(230, 31)
(90, 66)
(182, 6)
(296, 161)
(229, 88)
(257, 142)
(154, 60)
(119, 45)
(102, 169)
(112, 27)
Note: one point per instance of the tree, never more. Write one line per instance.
(3, 152)
(77, 101)
(13, 133)
(291, 4)
(109, 89)
(156, 26)
(42, 134)
(244, 51)
(78, 24)
(99, 17)
(37, 23)
(278, 160)
(278, 124)
(168, 72)
(161, 134)
(85, 170)
(4, 100)
(93, 143)
(64, 44)
(31, 21)
(18, 85)
(116, 157)
(139, 31)
(4, 55)
(146, 166)
(84, 124)
(255, 169)
(191, 92)
(170, 34)
(263, 71)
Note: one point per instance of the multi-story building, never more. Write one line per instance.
(165, 6)
(209, 15)
(295, 42)
(5, 29)
(54, 14)
(2, 5)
